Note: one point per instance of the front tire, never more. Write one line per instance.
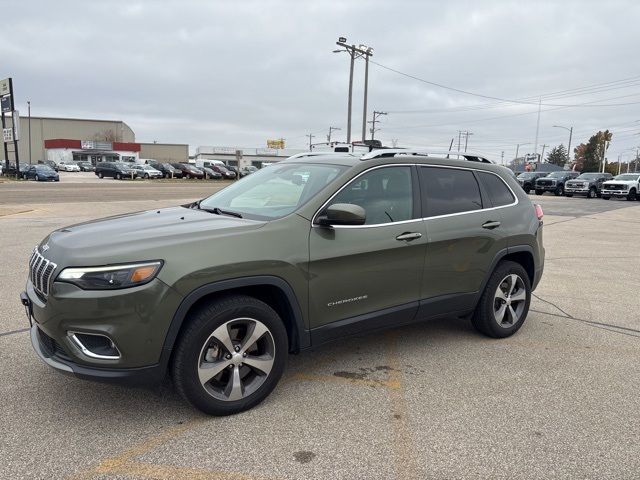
(100, 175)
(539, 192)
(230, 356)
(37, 178)
(504, 304)
(605, 197)
(632, 195)
(568, 195)
(592, 193)
(118, 176)
(559, 191)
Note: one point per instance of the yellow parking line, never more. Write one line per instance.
(403, 443)
(171, 472)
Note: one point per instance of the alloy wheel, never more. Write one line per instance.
(236, 359)
(509, 301)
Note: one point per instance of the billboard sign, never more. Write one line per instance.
(87, 145)
(4, 87)
(277, 144)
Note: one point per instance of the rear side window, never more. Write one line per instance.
(449, 190)
(498, 192)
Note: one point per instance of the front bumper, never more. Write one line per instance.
(136, 320)
(48, 354)
(615, 193)
(546, 188)
(576, 191)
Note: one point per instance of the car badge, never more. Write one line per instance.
(45, 247)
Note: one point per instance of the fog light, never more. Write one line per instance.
(94, 345)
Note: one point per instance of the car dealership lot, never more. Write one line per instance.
(559, 399)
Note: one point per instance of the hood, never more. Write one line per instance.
(149, 235)
(620, 182)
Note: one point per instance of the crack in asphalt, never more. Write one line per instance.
(632, 332)
(12, 332)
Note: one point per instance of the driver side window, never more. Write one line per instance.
(386, 194)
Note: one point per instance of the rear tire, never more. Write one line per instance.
(539, 192)
(504, 304)
(118, 176)
(527, 190)
(219, 339)
(100, 175)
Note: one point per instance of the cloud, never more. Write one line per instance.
(237, 73)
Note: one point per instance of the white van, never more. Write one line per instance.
(202, 162)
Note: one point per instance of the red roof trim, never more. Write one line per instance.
(62, 143)
(127, 147)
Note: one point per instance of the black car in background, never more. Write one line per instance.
(188, 171)
(41, 173)
(211, 173)
(527, 180)
(248, 170)
(168, 170)
(86, 166)
(117, 170)
(222, 169)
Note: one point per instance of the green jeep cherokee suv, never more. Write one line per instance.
(220, 291)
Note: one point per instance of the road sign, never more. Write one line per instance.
(6, 103)
(7, 135)
(4, 87)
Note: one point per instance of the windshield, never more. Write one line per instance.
(275, 191)
(628, 176)
(527, 175)
(44, 168)
(589, 176)
(557, 174)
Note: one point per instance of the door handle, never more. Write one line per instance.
(408, 236)
(491, 224)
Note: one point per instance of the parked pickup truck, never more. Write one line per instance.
(554, 182)
(589, 184)
(625, 185)
(527, 180)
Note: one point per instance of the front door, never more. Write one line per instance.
(375, 268)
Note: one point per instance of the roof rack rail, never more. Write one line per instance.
(318, 154)
(394, 152)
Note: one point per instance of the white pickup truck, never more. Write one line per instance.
(624, 185)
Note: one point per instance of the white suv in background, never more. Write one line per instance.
(624, 185)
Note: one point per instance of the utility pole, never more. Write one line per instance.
(368, 51)
(331, 129)
(354, 52)
(619, 164)
(604, 154)
(373, 122)
(29, 110)
(570, 130)
(518, 147)
(459, 133)
(502, 158)
(537, 130)
(466, 139)
(310, 135)
(544, 145)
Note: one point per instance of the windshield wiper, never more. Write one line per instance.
(215, 210)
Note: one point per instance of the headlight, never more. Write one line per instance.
(111, 277)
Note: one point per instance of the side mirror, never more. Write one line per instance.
(343, 214)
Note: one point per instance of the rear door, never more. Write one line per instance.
(368, 269)
(465, 232)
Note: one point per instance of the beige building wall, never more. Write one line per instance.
(165, 152)
(45, 128)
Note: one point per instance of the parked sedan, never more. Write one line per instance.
(209, 173)
(86, 167)
(147, 171)
(226, 173)
(188, 171)
(41, 173)
(244, 171)
(168, 170)
(68, 167)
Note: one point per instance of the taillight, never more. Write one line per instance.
(539, 212)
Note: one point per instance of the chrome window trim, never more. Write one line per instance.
(315, 215)
(85, 351)
(471, 169)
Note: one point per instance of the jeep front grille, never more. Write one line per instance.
(41, 272)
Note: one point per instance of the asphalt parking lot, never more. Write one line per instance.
(557, 400)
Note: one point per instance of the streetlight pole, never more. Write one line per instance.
(29, 128)
(368, 51)
(570, 130)
(331, 129)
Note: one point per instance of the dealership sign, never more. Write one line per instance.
(7, 135)
(5, 87)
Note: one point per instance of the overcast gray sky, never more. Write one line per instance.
(238, 73)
